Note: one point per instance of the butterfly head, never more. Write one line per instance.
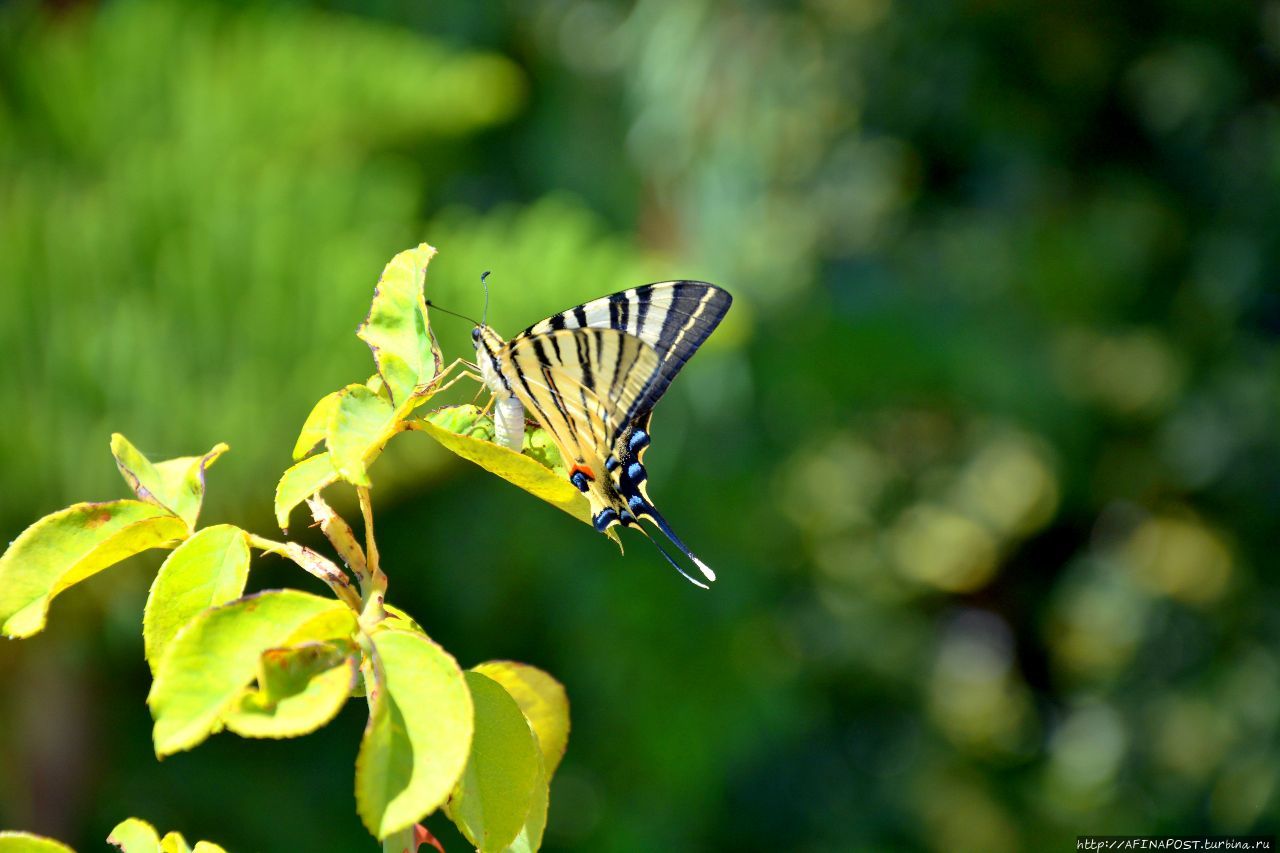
(487, 342)
(488, 346)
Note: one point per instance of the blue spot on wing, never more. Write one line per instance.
(604, 518)
(638, 441)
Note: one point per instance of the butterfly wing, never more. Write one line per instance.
(673, 317)
(585, 386)
(579, 384)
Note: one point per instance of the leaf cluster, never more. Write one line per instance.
(482, 743)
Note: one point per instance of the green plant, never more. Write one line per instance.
(274, 128)
(483, 743)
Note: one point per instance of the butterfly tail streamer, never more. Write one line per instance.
(663, 551)
(661, 523)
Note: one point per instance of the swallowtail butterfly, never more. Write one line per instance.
(591, 376)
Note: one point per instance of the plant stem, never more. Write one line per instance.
(341, 536)
(376, 589)
(315, 564)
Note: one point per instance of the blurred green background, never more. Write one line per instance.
(986, 453)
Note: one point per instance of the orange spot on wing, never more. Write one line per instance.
(586, 472)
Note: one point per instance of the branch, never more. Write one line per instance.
(341, 536)
(377, 588)
(315, 564)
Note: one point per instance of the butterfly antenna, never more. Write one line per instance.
(484, 318)
(431, 304)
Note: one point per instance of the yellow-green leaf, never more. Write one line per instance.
(523, 471)
(497, 790)
(419, 733)
(360, 425)
(397, 329)
(176, 484)
(206, 570)
(135, 836)
(211, 660)
(535, 824)
(184, 480)
(301, 482)
(299, 690)
(25, 842)
(316, 425)
(67, 546)
(207, 847)
(465, 419)
(539, 446)
(397, 618)
(542, 700)
(173, 842)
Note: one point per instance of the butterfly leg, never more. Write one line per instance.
(455, 380)
(464, 369)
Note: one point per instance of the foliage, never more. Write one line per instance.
(138, 836)
(265, 164)
(985, 454)
(282, 663)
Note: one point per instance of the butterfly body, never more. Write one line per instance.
(508, 411)
(591, 376)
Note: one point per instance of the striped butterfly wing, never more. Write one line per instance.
(670, 320)
(673, 317)
(579, 384)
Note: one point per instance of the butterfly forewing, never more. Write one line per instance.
(673, 317)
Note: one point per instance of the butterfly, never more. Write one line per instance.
(590, 376)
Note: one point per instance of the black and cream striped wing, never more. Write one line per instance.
(581, 384)
(592, 374)
(672, 317)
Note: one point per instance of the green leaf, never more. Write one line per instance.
(397, 329)
(464, 420)
(135, 836)
(173, 842)
(301, 482)
(530, 837)
(211, 660)
(542, 700)
(316, 425)
(138, 836)
(25, 842)
(206, 570)
(528, 474)
(539, 445)
(397, 618)
(70, 545)
(494, 796)
(419, 733)
(184, 477)
(299, 690)
(359, 426)
(176, 484)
